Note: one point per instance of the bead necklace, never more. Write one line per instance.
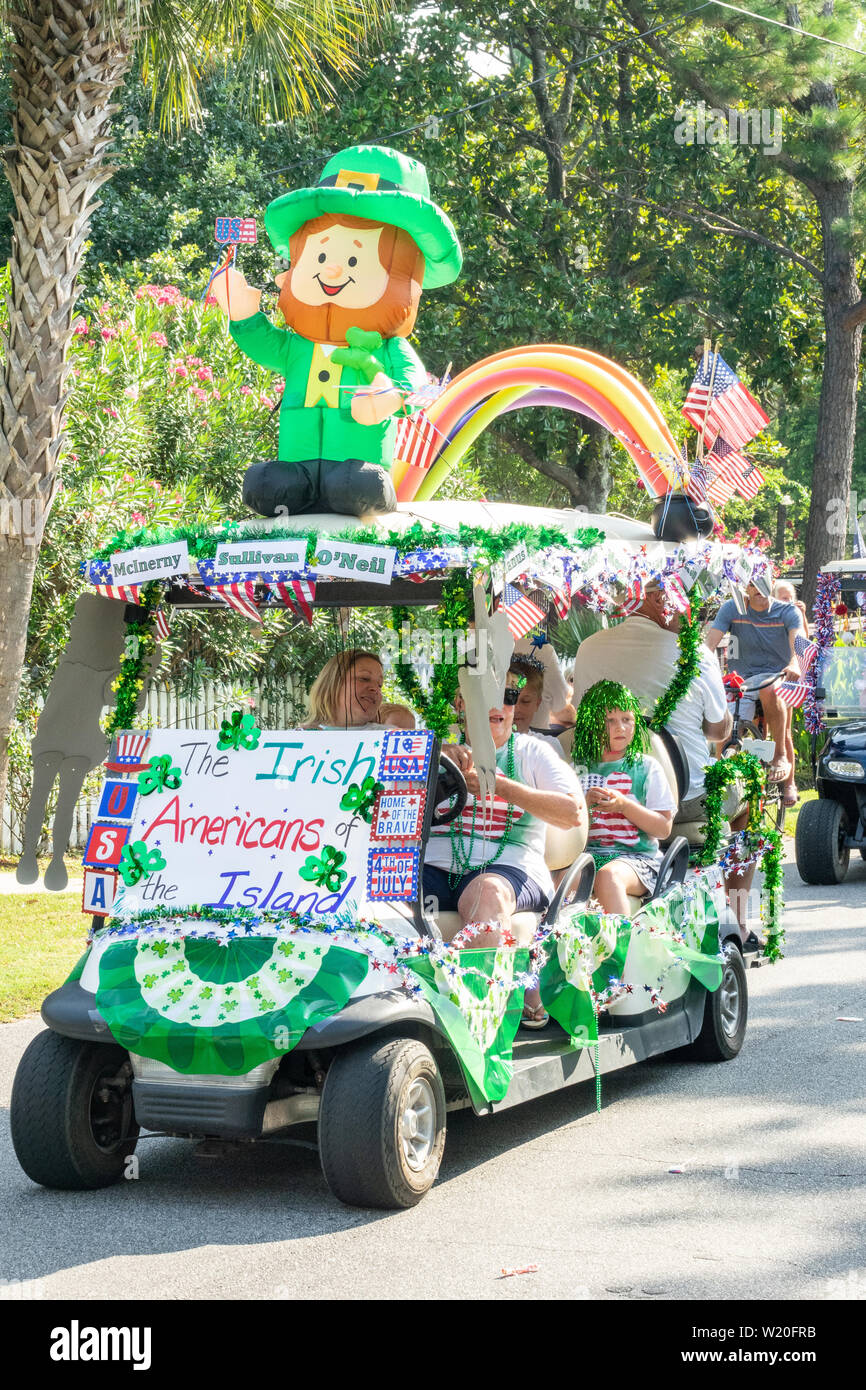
(462, 858)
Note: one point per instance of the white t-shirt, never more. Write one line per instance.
(642, 656)
(536, 766)
(551, 740)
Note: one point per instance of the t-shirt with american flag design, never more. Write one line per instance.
(644, 782)
(536, 765)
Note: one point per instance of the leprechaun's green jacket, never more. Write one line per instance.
(315, 415)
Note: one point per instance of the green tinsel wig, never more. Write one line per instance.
(589, 731)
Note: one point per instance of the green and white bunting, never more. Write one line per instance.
(474, 996)
(206, 1007)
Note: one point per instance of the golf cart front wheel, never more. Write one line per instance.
(726, 1013)
(820, 843)
(382, 1123)
(72, 1118)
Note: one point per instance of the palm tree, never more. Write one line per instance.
(68, 60)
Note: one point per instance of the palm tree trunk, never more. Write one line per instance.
(837, 408)
(65, 66)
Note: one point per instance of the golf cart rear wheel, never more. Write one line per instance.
(72, 1118)
(382, 1123)
(726, 1013)
(822, 854)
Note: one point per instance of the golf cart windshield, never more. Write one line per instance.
(844, 680)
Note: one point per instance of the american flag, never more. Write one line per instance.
(633, 598)
(805, 652)
(732, 410)
(239, 596)
(674, 590)
(298, 595)
(609, 828)
(128, 592)
(793, 693)
(521, 612)
(417, 440)
(162, 624)
(561, 602)
(734, 472)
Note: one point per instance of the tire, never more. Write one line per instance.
(726, 1013)
(370, 1093)
(72, 1118)
(822, 855)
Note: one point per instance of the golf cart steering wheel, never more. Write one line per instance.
(449, 782)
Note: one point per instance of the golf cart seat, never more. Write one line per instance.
(563, 849)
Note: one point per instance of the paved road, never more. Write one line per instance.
(772, 1146)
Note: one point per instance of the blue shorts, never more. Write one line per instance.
(530, 897)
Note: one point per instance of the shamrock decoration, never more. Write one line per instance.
(360, 799)
(325, 871)
(136, 861)
(159, 775)
(241, 731)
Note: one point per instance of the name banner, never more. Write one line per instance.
(151, 562)
(284, 826)
(344, 560)
(258, 557)
(516, 561)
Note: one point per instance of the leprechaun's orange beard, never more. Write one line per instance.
(392, 313)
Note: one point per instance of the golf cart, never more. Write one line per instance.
(261, 954)
(829, 828)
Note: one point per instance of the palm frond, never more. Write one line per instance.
(285, 53)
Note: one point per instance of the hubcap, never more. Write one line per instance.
(729, 1001)
(111, 1108)
(418, 1124)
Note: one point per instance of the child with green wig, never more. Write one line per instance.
(631, 805)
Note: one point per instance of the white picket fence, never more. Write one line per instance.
(166, 709)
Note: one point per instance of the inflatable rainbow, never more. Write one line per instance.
(546, 374)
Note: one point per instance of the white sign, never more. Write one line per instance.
(280, 827)
(150, 562)
(516, 561)
(259, 556)
(345, 560)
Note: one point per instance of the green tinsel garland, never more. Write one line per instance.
(491, 546)
(140, 643)
(590, 728)
(436, 706)
(718, 777)
(687, 668)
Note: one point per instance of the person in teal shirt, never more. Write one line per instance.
(361, 246)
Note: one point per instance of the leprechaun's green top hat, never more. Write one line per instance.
(384, 186)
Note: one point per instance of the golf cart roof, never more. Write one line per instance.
(600, 561)
(852, 567)
(451, 515)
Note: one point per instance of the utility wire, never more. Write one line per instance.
(670, 26)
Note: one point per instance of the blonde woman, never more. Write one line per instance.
(347, 693)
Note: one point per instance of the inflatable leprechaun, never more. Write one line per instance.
(361, 246)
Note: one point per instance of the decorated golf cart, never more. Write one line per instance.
(261, 954)
(834, 708)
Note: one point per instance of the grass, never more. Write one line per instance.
(791, 816)
(42, 935)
